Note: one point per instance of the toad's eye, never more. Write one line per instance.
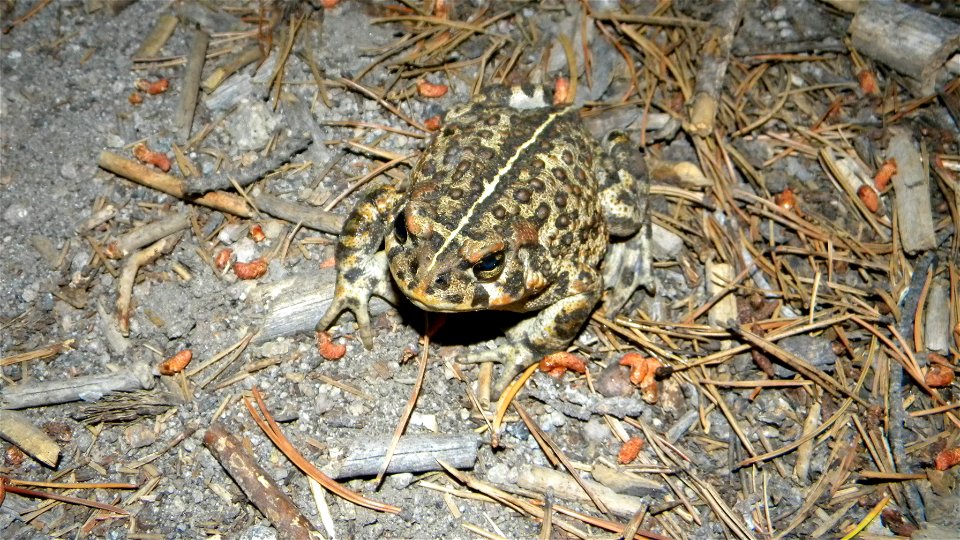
(400, 228)
(489, 267)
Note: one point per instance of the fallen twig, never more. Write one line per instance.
(128, 276)
(718, 40)
(269, 426)
(137, 376)
(257, 484)
(221, 181)
(154, 41)
(414, 453)
(171, 185)
(183, 120)
(20, 431)
(63, 498)
(37, 354)
(147, 234)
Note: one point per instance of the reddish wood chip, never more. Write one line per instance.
(432, 123)
(557, 364)
(328, 349)
(222, 259)
(14, 456)
(176, 363)
(939, 376)
(643, 371)
(157, 159)
(561, 92)
(153, 88)
(430, 90)
(250, 270)
(868, 82)
(786, 199)
(886, 172)
(256, 232)
(869, 197)
(630, 450)
(947, 458)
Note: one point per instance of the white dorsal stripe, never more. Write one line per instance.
(490, 187)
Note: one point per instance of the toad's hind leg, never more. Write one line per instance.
(624, 196)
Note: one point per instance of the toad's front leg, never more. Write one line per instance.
(361, 265)
(551, 329)
(624, 197)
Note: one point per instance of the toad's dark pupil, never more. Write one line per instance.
(400, 228)
(489, 267)
(489, 263)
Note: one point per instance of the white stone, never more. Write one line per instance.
(15, 213)
(252, 125)
(666, 245)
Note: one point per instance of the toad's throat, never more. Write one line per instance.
(490, 186)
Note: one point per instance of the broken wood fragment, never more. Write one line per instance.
(236, 63)
(308, 216)
(147, 234)
(912, 186)
(542, 479)
(414, 454)
(17, 429)
(717, 41)
(295, 304)
(96, 219)
(263, 166)
(136, 376)
(36, 354)
(155, 40)
(128, 275)
(257, 484)
(183, 120)
(936, 331)
(171, 185)
(909, 40)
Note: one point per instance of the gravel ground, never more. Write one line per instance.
(65, 97)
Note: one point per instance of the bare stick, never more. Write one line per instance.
(309, 216)
(96, 219)
(19, 430)
(89, 387)
(717, 41)
(922, 45)
(36, 354)
(183, 121)
(257, 484)
(161, 32)
(241, 60)
(805, 450)
(129, 274)
(415, 454)
(147, 234)
(912, 185)
(171, 185)
(283, 154)
(937, 324)
(543, 479)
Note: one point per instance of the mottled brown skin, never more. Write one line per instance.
(509, 208)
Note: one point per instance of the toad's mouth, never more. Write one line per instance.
(417, 293)
(494, 299)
